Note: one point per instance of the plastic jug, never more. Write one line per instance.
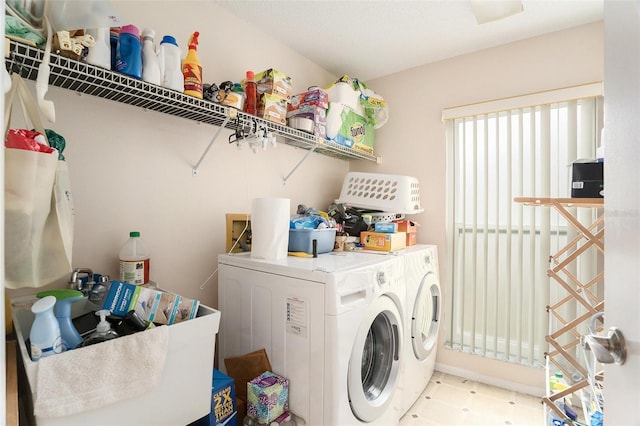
(134, 261)
(150, 61)
(170, 65)
(100, 53)
(129, 53)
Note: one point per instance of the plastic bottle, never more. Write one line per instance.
(557, 382)
(150, 61)
(134, 261)
(45, 331)
(192, 69)
(129, 53)
(62, 309)
(100, 53)
(251, 94)
(114, 35)
(103, 330)
(170, 64)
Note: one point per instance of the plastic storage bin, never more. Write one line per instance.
(302, 239)
(182, 395)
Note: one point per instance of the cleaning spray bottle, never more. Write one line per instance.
(192, 69)
(103, 331)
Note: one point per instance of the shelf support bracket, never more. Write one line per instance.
(232, 113)
(286, 178)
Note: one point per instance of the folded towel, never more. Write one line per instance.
(94, 376)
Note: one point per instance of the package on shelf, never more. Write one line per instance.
(317, 114)
(379, 241)
(275, 83)
(346, 127)
(267, 397)
(273, 108)
(360, 98)
(314, 97)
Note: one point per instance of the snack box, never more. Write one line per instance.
(386, 227)
(273, 108)
(315, 98)
(275, 83)
(380, 241)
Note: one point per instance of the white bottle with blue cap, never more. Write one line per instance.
(171, 64)
(45, 330)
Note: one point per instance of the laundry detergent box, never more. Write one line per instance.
(347, 128)
(223, 402)
(380, 241)
(267, 397)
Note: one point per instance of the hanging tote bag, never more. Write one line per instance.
(38, 204)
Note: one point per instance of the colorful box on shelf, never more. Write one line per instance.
(273, 108)
(317, 114)
(386, 227)
(349, 129)
(267, 397)
(313, 98)
(275, 83)
(380, 241)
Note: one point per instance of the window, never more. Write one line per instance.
(497, 251)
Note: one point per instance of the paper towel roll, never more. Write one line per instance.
(270, 228)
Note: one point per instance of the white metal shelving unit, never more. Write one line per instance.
(88, 79)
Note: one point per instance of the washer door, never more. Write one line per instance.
(425, 317)
(375, 360)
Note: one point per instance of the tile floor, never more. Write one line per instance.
(452, 400)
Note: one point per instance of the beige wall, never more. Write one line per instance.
(413, 141)
(131, 169)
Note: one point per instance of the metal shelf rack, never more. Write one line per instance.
(92, 80)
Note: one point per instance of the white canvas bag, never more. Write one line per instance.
(38, 206)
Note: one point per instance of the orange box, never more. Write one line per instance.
(380, 241)
(412, 239)
(407, 226)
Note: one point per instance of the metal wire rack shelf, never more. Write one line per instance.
(88, 79)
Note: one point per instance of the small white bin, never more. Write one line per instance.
(182, 396)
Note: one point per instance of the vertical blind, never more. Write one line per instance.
(498, 251)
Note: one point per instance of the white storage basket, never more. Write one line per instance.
(387, 193)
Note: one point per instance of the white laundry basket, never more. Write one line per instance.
(388, 193)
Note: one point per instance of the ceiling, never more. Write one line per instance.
(371, 39)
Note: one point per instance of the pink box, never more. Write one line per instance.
(315, 97)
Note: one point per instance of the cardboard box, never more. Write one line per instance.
(275, 83)
(223, 402)
(412, 239)
(267, 397)
(349, 129)
(185, 382)
(273, 108)
(587, 180)
(383, 242)
(407, 226)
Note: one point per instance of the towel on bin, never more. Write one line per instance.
(91, 377)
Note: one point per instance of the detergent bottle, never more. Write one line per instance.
(192, 69)
(150, 61)
(170, 64)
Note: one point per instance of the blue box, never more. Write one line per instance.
(223, 403)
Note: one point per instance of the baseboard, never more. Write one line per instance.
(489, 380)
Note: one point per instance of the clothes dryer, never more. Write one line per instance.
(422, 319)
(333, 326)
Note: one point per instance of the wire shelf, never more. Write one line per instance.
(92, 80)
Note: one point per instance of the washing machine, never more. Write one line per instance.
(332, 325)
(421, 320)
